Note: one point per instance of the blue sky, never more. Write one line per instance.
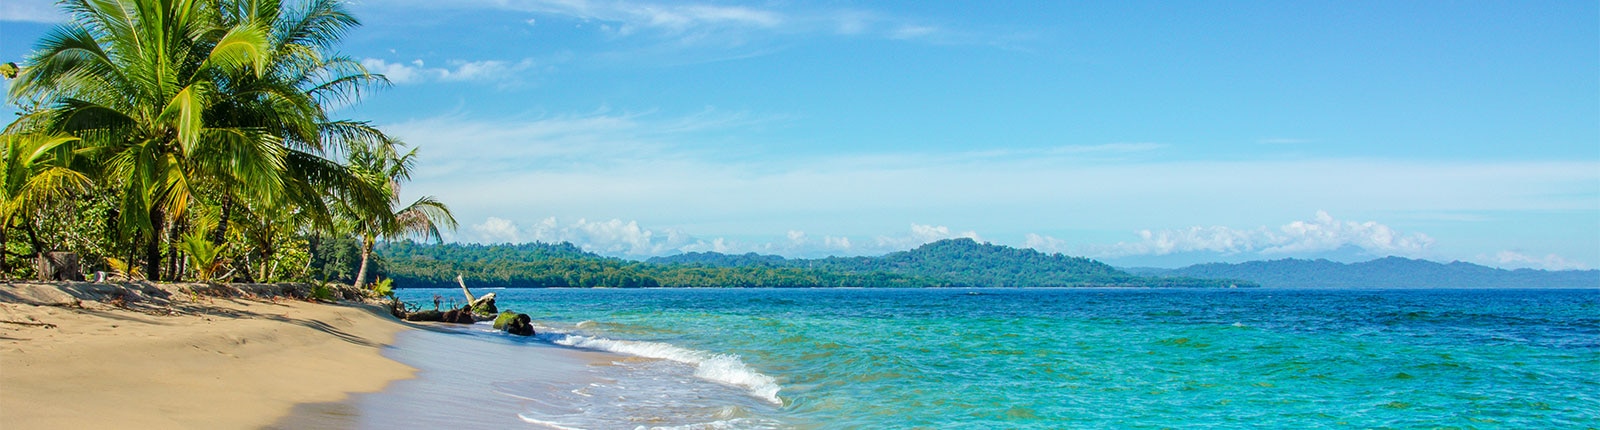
(1138, 133)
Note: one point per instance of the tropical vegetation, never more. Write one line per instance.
(946, 263)
(192, 140)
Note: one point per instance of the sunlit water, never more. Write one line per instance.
(1056, 358)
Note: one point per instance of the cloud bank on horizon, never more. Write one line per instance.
(1137, 133)
(1312, 238)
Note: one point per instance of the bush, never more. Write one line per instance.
(322, 292)
(384, 289)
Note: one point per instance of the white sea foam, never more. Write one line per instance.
(721, 368)
(551, 424)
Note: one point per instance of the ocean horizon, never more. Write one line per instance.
(1008, 358)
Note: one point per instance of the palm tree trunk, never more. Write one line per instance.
(221, 233)
(152, 248)
(5, 269)
(38, 247)
(366, 254)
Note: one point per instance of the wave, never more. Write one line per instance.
(726, 369)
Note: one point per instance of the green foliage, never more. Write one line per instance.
(950, 263)
(384, 288)
(336, 258)
(322, 292)
(151, 136)
(205, 258)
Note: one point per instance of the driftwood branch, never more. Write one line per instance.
(464, 289)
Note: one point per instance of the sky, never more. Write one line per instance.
(1137, 133)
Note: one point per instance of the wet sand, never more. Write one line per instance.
(462, 383)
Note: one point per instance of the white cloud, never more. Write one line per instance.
(1321, 234)
(913, 32)
(497, 230)
(660, 170)
(921, 234)
(1326, 234)
(1045, 244)
(459, 71)
(685, 24)
(629, 239)
(42, 11)
(610, 237)
(671, 17)
(852, 22)
(1513, 259)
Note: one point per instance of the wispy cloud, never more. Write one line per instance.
(686, 24)
(1513, 259)
(42, 11)
(657, 169)
(907, 32)
(630, 239)
(456, 71)
(1320, 234)
(496, 230)
(669, 17)
(653, 162)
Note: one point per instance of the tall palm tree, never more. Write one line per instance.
(136, 79)
(217, 103)
(386, 170)
(289, 99)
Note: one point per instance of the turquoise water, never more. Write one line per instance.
(1052, 358)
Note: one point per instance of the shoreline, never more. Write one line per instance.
(145, 355)
(467, 377)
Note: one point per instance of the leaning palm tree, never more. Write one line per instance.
(289, 99)
(386, 169)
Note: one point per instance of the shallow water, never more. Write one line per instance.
(1054, 358)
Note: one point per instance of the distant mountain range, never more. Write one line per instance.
(946, 263)
(1389, 272)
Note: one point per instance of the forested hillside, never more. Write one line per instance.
(948, 263)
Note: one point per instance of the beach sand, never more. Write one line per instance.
(145, 356)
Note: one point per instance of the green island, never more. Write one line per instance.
(945, 263)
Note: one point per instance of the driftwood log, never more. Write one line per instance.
(481, 306)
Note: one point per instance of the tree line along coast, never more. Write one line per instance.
(946, 263)
(189, 140)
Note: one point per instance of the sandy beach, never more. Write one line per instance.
(175, 356)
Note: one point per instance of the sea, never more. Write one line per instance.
(1008, 358)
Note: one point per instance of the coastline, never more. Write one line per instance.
(467, 377)
(78, 355)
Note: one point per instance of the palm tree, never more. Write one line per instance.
(37, 170)
(135, 79)
(386, 170)
(197, 103)
(289, 99)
